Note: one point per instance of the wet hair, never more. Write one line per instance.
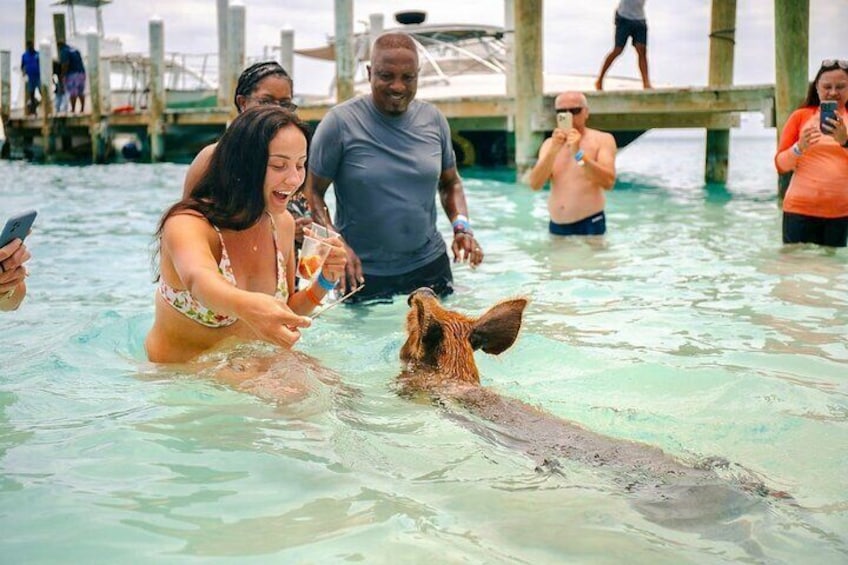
(812, 98)
(250, 78)
(230, 194)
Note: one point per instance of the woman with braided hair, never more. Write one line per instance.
(259, 84)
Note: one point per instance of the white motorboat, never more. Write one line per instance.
(189, 80)
(459, 61)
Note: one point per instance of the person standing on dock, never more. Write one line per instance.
(630, 22)
(815, 208)
(73, 75)
(580, 164)
(388, 155)
(32, 76)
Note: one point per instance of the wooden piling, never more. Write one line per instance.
(375, 29)
(45, 70)
(155, 128)
(287, 50)
(5, 83)
(59, 30)
(791, 61)
(224, 88)
(345, 64)
(527, 107)
(29, 23)
(5, 98)
(509, 46)
(236, 47)
(722, 42)
(97, 126)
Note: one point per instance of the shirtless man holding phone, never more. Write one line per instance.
(579, 162)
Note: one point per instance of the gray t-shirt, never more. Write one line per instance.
(632, 9)
(385, 172)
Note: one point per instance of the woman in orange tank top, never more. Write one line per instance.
(815, 208)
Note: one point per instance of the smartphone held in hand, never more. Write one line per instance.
(564, 120)
(827, 111)
(17, 227)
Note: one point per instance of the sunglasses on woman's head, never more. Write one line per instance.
(841, 63)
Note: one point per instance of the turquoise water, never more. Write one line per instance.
(689, 329)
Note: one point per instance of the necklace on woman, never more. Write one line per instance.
(254, 242)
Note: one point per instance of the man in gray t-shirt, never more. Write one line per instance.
(386, 155)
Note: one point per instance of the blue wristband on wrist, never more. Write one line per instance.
(325, 284)
(461, 225)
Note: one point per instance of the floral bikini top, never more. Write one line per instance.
(182, 300)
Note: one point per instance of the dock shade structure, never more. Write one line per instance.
(96, 4)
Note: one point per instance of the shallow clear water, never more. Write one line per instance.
(690, 329)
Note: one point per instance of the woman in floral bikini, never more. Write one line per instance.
(226, 251)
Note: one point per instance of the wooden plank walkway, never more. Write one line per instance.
(623, 110)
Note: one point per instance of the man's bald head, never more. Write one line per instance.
(571, 99)
(393, 40)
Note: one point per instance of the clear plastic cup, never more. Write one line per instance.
(320, 231)
(313, 253)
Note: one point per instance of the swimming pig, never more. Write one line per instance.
(439, 361)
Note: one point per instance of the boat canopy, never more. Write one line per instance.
(83, 3)
(425, 34)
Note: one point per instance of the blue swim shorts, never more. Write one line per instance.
(596, 224)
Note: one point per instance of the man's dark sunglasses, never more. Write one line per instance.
(287, 104)
(574, 111)
(841, 63)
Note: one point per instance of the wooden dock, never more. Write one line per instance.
(625, 113)
(491, 130)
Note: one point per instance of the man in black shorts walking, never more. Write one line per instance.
(629, 22)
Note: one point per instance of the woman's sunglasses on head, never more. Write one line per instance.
(841, 63)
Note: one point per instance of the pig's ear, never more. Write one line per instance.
(496, 330)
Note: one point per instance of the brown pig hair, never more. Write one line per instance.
(442, 342)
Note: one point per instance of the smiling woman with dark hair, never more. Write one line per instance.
(226, 252)
(815, 150)
(261, 84)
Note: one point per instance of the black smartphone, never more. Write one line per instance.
(17, 227)
(827, 111)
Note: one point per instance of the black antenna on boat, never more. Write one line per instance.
(410, 17)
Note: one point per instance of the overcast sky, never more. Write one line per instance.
(577, 33)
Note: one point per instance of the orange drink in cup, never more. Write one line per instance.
(313, 252)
